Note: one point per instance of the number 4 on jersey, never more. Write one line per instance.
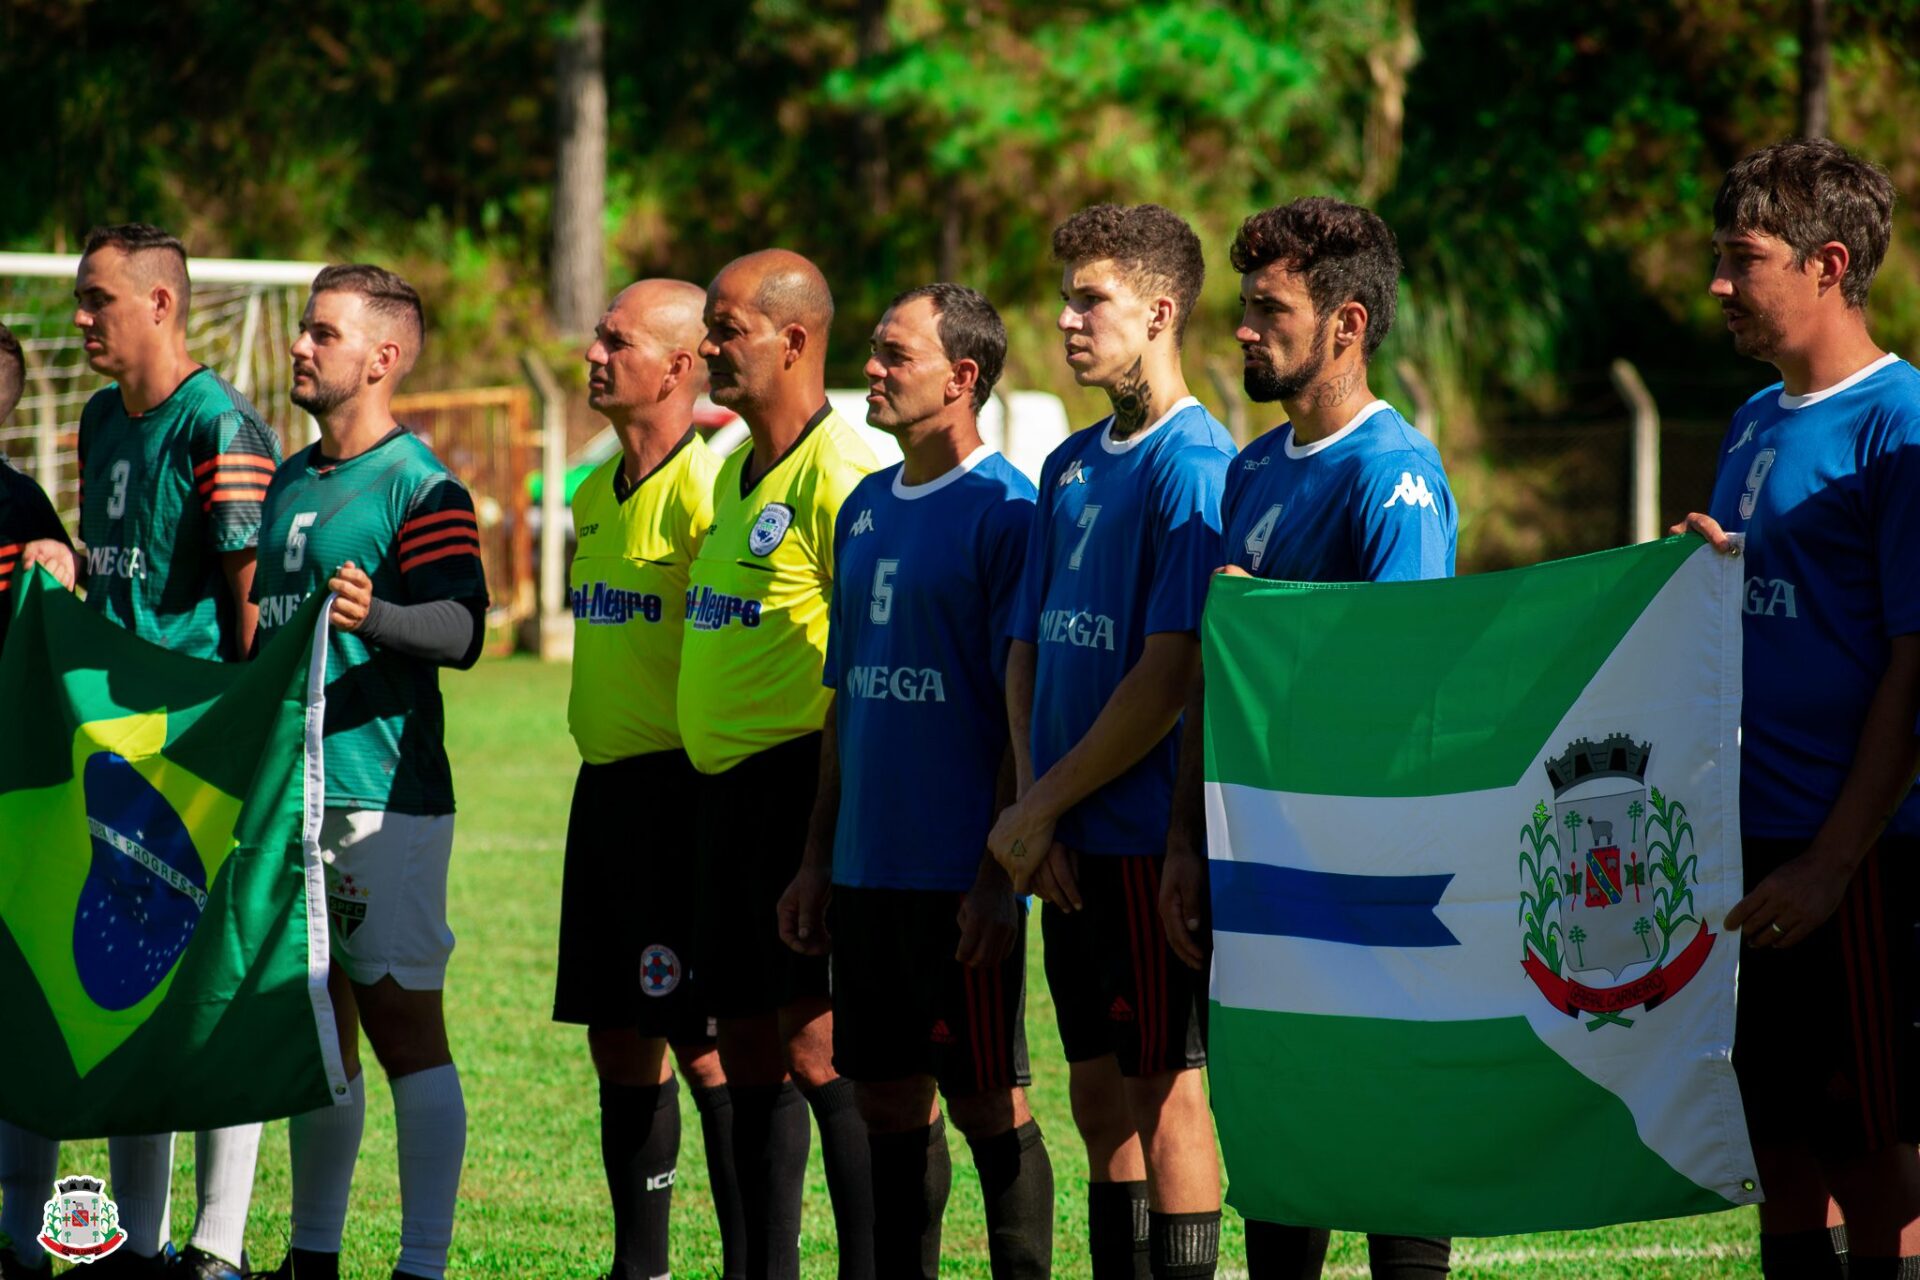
(1258, 536)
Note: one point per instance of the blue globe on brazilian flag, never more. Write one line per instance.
(163, 946)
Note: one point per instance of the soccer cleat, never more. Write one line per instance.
(125, 1264)
(302, 1264)
(197, 1264)
(11, 1268)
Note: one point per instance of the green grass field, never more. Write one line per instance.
(532, 1200)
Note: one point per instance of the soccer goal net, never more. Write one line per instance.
(242, 319)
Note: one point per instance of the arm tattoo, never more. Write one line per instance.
(1132, 402)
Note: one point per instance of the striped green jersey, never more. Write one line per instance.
(400, 515)
(163, 495)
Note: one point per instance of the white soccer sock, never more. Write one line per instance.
(141, 1169)
(223, 1161)
(430, 1121)
(28, 1165)
(325, 1144)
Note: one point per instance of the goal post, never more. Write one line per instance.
(242, 319)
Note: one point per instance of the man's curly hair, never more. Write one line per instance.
(1345, 253)
(1152, 245)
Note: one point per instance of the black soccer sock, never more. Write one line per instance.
(1117, 1230)
(843, 1150)
(1839, 1235)
(770, 1138)
(912, 1175)
(1016, 1182)
(1184, 1246)
(1277, 1251)
(1867, 1267)
(1801, 1255)
(1409, 1257)
(716, 1134)
(640, 1144)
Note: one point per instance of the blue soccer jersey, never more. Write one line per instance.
(1125, 534)
(1369, 503)
(917, 655)
(1826, 488)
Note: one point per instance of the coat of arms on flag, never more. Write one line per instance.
(1607, 880)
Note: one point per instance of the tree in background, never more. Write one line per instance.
(578, 265)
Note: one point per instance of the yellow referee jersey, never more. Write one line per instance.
(756, 609)
(629, 588)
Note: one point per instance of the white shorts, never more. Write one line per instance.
(387, 895)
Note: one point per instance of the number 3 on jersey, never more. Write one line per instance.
(1258, 536)
(297, 541)
(117, 500)
(880, 608)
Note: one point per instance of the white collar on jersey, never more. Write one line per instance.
(911, 491)
(1367, 410)
(1111, 445)
(1852, 379)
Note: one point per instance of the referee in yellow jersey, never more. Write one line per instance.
(626, 970)
(751, 710)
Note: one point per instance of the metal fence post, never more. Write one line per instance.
(556, 620)
(1645, 492)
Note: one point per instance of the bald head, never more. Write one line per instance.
(668, 310)
(783, 285)
(642, 368)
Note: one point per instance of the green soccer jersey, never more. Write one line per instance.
(400, 515)
(163, 495)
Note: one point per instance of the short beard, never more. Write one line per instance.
(1761, 341)
(324, 398)
(1265, 384)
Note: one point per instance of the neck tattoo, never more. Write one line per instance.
(1132, 402)
(1335, 389)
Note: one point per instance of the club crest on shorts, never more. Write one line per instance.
(660, 970)
(347, 905)
(81, 1224)
(1606, 886)
(769, 528)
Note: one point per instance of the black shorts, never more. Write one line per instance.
(903, 1006)
(753, 828)
(1117, 987)
(626, 901)
(1825, 1043)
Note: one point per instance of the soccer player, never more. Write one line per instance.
(174, 463)
(751, 712)
(625, 956)
(368, 512)
(30, 533)
(928, 939)
(1345, 490)
(1105, 646)
(1819, 491)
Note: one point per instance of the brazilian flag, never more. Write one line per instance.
(163, 941)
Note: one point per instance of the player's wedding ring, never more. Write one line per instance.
(1775, 926)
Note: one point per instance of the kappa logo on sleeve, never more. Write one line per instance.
(768, 530)
(1413, 491)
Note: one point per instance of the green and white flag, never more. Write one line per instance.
(1470, 842)
(163, 936)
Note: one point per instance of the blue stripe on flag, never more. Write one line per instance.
(1367, 911)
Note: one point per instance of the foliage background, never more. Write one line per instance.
(1548, 167)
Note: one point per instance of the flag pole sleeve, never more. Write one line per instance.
(313, 810)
